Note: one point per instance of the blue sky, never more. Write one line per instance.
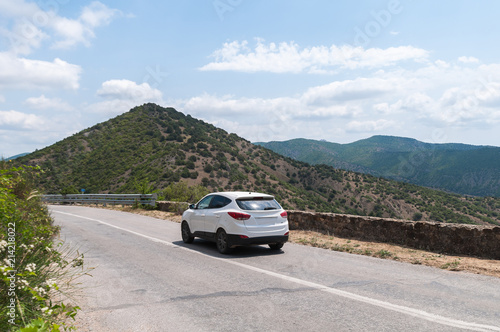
(265, 70)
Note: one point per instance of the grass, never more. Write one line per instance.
(452, 266)
(383, 254)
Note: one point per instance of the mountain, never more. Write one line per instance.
(458, 168)
(17, 156)
(153, 147)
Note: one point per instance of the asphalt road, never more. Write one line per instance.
(147, 279)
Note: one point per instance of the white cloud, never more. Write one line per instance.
(44, 103)
(290, 57)
(445, 94)
(125, 89)
(26, 73)
(348, 90)
(81, 31)
(456, 106)
(337, 99)
(237, 56)
(468, 59)
(433, 94)
(111, 107)
(29, 25)
(227, 105)
(27, 132)
(71, 33)
(23, 32)
(122, 95)
(442, 64)
(97, 14)
(257, 119)
(14, 119)
(370, 126)
(258, 110)
(26, 26)
(488, 94)
(18, 8)
(24, 37)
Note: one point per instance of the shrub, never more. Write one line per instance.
(417, 216)
(33, 272)
(181, 192)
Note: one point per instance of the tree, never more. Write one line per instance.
(143, 187)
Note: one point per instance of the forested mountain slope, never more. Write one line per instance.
(152, 147)
(459, 168)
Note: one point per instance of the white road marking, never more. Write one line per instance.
(386, 305)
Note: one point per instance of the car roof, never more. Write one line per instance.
(241, 194)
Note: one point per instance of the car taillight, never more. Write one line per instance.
(239, 215)
(284, 214)
(287, 233)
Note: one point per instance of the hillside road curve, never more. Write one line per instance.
(144, 278)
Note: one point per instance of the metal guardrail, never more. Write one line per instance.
(114, 199)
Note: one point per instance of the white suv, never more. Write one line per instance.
(233, 219)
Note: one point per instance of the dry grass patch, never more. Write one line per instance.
(399, 253)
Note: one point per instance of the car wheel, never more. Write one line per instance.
(276, 246)
(187, 237)
(222, 242)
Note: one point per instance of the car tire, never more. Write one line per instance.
(187, 237)
(276, 246)
(222, 242)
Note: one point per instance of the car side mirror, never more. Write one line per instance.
(192, 206)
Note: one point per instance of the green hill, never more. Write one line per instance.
(459, 168)
(151, 146)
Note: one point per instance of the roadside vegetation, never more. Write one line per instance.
(37, 271)
(181, 192)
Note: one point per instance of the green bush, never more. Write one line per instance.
(181, 192)
(32, 271)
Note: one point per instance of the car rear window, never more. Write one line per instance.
(258, 203)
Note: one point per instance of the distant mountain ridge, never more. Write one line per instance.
(459, 168)
(17, 156)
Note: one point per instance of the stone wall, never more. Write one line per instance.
(456, 239)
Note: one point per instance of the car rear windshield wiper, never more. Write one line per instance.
(270, 208)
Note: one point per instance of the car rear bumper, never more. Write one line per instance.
(237, 240)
